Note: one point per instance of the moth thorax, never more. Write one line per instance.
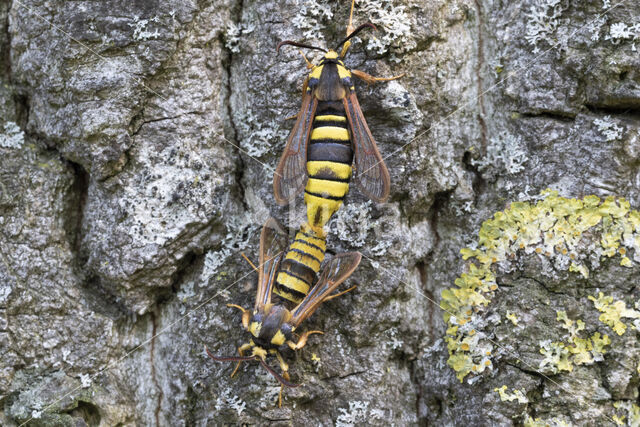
(271, 330)
(332, 54)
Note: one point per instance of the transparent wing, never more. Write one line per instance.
(337, 270)
(291, 174)
(273, 244)
(371, 174)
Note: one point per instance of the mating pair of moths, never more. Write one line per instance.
(329, 132)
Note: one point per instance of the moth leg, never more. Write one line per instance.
(246, 314)
(330, 297)
(285, 374)
(302, 341)
(242, 309)
(350, 29)
(249, 261)
(369, 79)
(241, 351)
(309, 64)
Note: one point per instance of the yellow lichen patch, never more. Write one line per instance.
(505, 396)
(568, 324)
(552, 227)
(579, 268)
(599, 344)
(556, 356)
(619, 420)
(512, 317)
(561, 356)
(316, 360)
(550, 422)
(613, 312)
(632, 415)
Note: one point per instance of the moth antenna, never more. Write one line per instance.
(356, 31)
(296, 44)
(277, 376)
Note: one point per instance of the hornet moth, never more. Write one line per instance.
(329, 132)
(273, 325)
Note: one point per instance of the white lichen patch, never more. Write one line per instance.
(267, 388)
(504, 152)
(461, 207)
(234, 33)
(357, 414)
(186, 291)
(393, 23)
(353, 224)
(543, 20)
(613, 312)
(259, 136)
(5, 291)
(141, 30)
(378, 414)
(555, 228)
(505, 396)
(595, 27)
(85, 380)
(394, 33)
(12, 137)
(620, 32)
(310, 17)
(237, 239)
(394, 342)
(226, 400)
(609, 128)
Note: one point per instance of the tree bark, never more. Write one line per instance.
(138, 142)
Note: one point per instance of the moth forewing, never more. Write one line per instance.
(336, 271)
(371, 174)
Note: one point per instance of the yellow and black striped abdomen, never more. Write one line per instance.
(300, 266)
(329, 158)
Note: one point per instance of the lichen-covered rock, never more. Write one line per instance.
(533, 251)
(138, 142)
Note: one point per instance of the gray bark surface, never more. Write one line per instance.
(137, 147)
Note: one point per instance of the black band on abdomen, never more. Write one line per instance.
(331, 152)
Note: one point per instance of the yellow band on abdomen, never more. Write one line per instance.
(327, 188)
(307, 260)
(314, 252)
(293, 282)
(330, 132)
(331, 118)
(341, 170)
